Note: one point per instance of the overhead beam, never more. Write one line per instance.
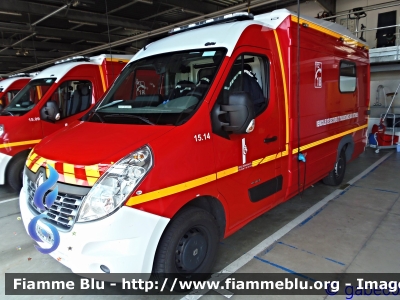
(16, 59)
(157, 32)
(40, 45)
(62, 33)
(193, 5)
(11, 52)
(73, 14)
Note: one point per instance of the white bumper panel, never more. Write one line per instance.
(125, 241)
(4, 159)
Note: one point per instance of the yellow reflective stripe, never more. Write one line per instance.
(319, 28)
(38, 164)
(92, 171)
(68, 168)
(256, 162)
(284, 86)
(227, 172)
(91, 180)
(30, 158)
(171, 190)
(32, 155)
(203, 180)
(102, 78)
(50, 163)
(328, 139)
(116, 59)
(69, 178)
(19, 143)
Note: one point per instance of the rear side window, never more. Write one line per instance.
(347, 77)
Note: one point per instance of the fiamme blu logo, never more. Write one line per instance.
(44, 202)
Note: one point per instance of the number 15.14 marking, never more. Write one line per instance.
(202, 137)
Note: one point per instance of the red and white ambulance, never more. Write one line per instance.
(11, 86)
(150, 182)
(53, 99)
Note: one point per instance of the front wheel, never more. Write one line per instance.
(188, 247)
(15, 171)
(336, 176)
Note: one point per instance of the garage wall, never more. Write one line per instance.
(371, 20)
(310, 8)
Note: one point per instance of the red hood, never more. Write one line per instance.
(87, 143)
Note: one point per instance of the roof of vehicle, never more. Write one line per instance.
(227, 34)
(60, 69)
(4, 84)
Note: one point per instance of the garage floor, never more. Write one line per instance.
(350, 229)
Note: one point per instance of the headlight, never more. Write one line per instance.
(116, 185)
(1, 130)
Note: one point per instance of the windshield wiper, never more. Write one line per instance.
(6, 111)
(130, 116)
(110, 104)
(98, 115)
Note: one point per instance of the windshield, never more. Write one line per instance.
(160, 90)
(28, 97)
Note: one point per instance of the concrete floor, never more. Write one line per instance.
(357, 231)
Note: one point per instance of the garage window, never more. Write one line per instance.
(348, 77)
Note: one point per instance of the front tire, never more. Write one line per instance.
(336, 176)
(14, 173)
(188, 247)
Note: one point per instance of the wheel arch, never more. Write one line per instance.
(212, 206)
(346, 143)
(23, 153)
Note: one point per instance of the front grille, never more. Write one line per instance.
(64, 210)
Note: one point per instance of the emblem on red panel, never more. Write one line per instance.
(318, 75)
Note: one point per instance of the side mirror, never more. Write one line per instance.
(236, 117)
(50, 112)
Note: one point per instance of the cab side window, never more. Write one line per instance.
(248, 74)
(73, 97)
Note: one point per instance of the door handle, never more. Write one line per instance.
(270, 140)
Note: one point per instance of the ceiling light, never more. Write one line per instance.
(18, 52)
(26, 52)
(10, 13)
(82, 23)
(75, 3)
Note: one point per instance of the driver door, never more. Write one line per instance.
(73, 98)
(248, 165)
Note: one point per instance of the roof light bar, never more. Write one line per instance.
(20, 75)
(71, 59)
(240, 16)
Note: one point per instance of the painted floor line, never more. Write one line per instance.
(8, 200)
(247, 257)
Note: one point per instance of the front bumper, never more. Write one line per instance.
(4, 159)
(125, 241)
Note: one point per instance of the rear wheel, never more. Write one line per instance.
(15, 172)
(336, 176)
(188, 247)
